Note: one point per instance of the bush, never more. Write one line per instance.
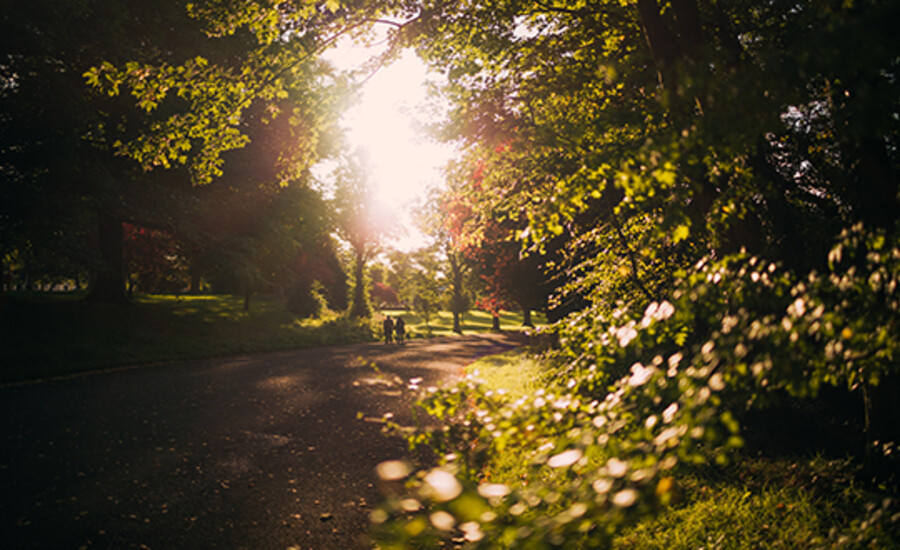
(308, 300)
(641, 394)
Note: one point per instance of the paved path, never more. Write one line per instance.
(263, 451)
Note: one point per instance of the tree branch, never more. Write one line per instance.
(660, 39)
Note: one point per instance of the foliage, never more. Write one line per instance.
(358, 223)
(435, 219)
(484, 243)
(383, 294)
(587, 106)
(473, 322)
(400, 270)
(113, 111)
(308, 301)
(698, 161)
(258, 237)
(59, 176)
(428, 286)
(58, 335)
(640, 394)
(203, 100)
(152, 258)
(769, 504)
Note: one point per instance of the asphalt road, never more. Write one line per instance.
(262, 451)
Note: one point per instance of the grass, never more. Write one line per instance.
(759, 502)
(517, 374)
(53, 334)
(513, 372)
(756, 502)
(441, 324)
(48, 336)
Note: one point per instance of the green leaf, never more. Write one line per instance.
(680, 233)
(92, 76)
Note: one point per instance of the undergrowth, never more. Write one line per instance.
(757, 501)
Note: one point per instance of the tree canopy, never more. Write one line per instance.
(736, 125)
(721, 182)
(710, 189)
(117, 111)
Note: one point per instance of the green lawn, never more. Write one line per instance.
(45, 335)
(473, 321)
(57, 335)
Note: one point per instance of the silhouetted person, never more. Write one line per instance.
(400, 329)
(388, 330)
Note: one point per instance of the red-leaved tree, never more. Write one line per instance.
(153, 260)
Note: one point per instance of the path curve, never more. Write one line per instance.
(265, 451)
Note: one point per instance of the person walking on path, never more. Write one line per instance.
(388, 330)
(400, 329)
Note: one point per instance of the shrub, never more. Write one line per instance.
(308, 300)
(639, 394)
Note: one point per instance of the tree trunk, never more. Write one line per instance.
(495, 322)
(661, 41)
(526, 317)
(359, 307)
(109, 281)
(875, 192)
(247, 292)
(457, 280)
(195, 280)
(689, 28)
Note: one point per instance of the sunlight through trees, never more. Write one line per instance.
(702, 197)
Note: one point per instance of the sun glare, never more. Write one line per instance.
(385, 124)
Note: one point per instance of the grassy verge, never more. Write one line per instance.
(441, 324)
(45, 335)
(513, 372)
(759, 502)
(56, 335)
(756, 502)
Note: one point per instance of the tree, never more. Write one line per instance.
(65, 187)
(401, 269)
(434, 218)
(459, 299)
(724, 178)
(383, 295)
(112, 111)
(253, 221)
(643, 137)
(673, 109)
(358, 223)
(427, 285)
(486, 240)
(153, 261)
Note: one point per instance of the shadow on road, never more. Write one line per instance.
(266, 451)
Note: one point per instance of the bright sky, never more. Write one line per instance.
(383, 123)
